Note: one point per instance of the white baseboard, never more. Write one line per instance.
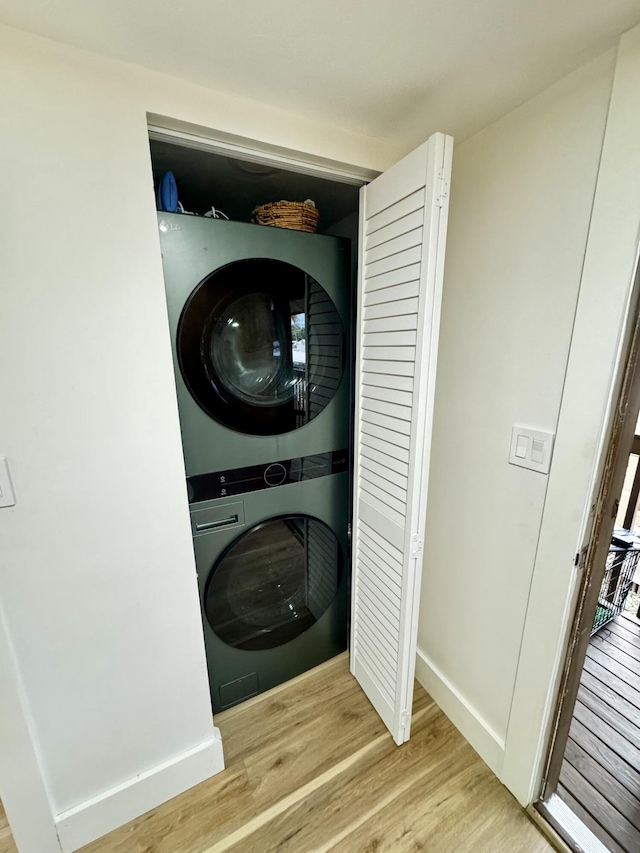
(488, 745)
(100, 815)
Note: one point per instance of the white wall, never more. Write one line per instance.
(609, 270)
(97, 580)
(521, 202)
(97, 576)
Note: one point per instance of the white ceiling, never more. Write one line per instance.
(388, 68)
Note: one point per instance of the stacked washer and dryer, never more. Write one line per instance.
(259, 321)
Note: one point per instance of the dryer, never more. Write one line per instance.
(272, 572)
(260, 322)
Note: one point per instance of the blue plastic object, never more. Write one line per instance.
(168, 193)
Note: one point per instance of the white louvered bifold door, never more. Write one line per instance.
(403, 221)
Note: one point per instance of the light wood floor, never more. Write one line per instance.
(6, 841)
(310, 767)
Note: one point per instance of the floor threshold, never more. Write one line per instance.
(577, 837)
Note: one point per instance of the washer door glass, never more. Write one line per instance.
(249, 352)
(261, 346)
(273, 582)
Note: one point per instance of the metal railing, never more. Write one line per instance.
(616, 584)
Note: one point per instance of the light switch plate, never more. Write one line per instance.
(539, 448)
(7, 495)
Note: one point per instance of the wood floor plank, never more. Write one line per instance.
(280, 715)
(604, 692)
(622, 800)
(404, 824)
(456, 819)
(303, 781)
(587, 818)
(435, 750)
(623, 726)
(188, 823)
(7, 844)
(283, 765)
(502, 828)
(609, 818)
(296, 745)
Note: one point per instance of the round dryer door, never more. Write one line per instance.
(261, 346)
(273, 582)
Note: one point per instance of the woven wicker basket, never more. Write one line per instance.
(298, 215)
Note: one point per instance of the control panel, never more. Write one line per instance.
(238, 481)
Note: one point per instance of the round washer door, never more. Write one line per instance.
(273, 582)
(261, 346)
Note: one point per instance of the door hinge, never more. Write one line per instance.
(416, 545)
(442, 189)
(581, 558)
(405, 717)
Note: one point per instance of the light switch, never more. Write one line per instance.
(537, 450)
(531, 448)
(7, 496)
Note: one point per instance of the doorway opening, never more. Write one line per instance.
(591, 792)
(261, 318)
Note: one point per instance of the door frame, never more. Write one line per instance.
(165, 129)
(214, 141)
(592, 557)
(595, 352)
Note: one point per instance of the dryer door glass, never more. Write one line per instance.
(261, 346)
(273, 582)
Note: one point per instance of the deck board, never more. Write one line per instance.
(618, 685)
(607, 734)
(600, 775)
(629, 661)
(602, 780)
(609, 714)
(626, 630)
(618, 640)
(607, 694)
(622, 672)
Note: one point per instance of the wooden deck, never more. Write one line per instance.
(600, 777)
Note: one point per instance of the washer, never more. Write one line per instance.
(260, 326)
(272, 572)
